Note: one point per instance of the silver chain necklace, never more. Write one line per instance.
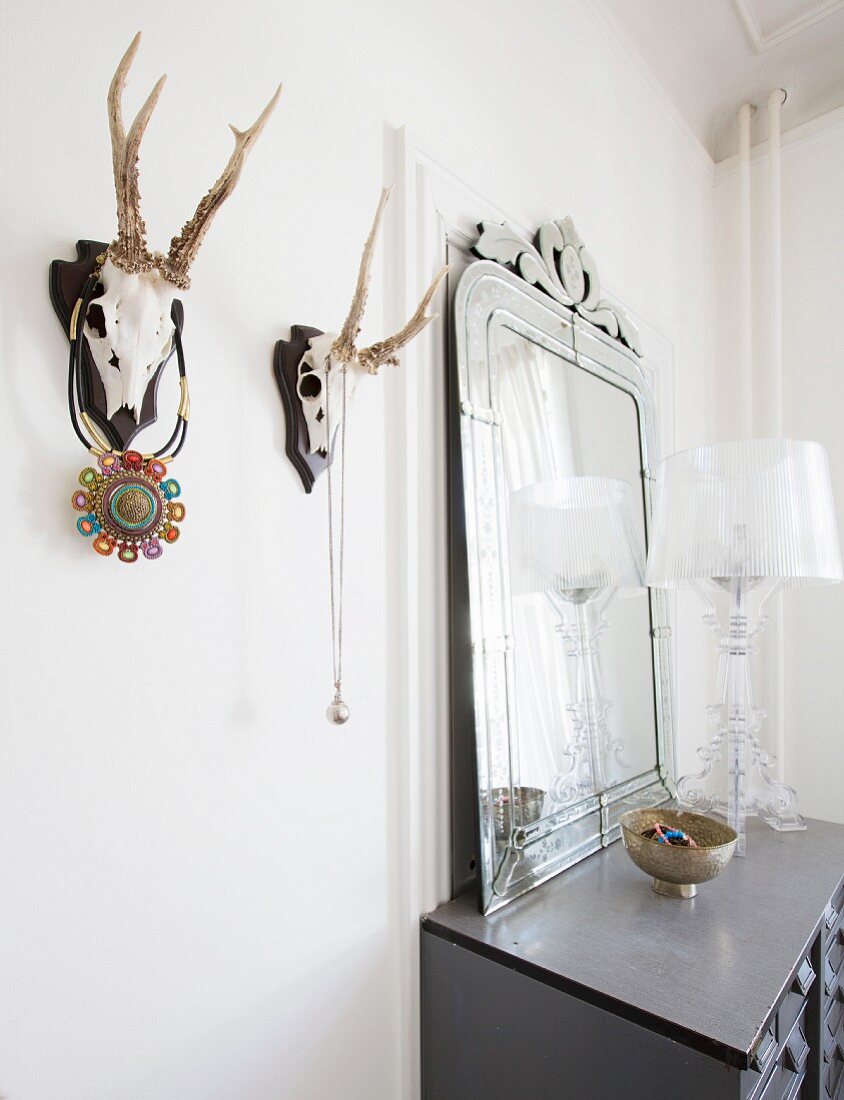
(337, 711)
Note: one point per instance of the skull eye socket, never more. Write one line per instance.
(96, 319)
(310, 385)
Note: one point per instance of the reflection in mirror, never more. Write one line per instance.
(574, 544)
(585, 718)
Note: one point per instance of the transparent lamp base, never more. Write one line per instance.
(748, 789)
(774, 802)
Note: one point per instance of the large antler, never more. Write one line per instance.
(129, 251)
(385, 351)
(344, 349)
(183, 249)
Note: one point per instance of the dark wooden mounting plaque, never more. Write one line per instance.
(286, 358)
(67, 279)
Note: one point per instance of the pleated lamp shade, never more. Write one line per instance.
(753, 508)
(574, 533)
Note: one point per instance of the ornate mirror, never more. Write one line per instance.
(566, 653)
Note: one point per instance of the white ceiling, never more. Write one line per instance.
(712, 55)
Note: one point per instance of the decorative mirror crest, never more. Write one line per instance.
(118, 306)
(560, 264)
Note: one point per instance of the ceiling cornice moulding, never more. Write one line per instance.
(634, 65)
(762, 42)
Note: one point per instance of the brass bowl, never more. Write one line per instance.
(675, 870)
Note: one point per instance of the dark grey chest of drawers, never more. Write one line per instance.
(593, 988)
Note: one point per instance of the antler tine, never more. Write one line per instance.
(344, 346)
(115, 107)
(184, 247)
(386, 351)
(129, 251)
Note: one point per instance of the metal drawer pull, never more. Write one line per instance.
(831, 1043)
(797, 1050)
(803, 978)
(764, 1052)
(830, 981)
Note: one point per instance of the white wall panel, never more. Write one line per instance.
(206, 888)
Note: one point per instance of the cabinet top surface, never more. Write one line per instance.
(712, 968)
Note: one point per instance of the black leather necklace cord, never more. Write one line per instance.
(79, 314)
(74, 379)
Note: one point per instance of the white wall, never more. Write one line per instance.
(811, 693)
(200, 877)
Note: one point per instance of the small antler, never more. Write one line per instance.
(129, 251)
(386, 351)
(344, 349)
(184, 247)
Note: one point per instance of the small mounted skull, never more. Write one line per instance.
(129, 327)
(311, 387)
(329, 354)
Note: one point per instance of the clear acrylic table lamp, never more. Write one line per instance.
(575, 541)
(745, 517)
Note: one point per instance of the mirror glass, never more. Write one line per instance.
(560, 425)
(569, 666)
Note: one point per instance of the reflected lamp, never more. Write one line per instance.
(575, 542)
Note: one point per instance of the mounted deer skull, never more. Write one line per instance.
(317, 374)
(129, 328)
(329, 351)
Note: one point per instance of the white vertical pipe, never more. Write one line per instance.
(745, 295)
(775, 413)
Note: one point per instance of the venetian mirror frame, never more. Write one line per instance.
(548, 293)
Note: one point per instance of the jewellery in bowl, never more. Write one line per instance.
(664, 834)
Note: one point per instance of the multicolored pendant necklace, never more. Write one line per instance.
(128, 502)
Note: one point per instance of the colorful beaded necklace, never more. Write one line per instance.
(128, 503)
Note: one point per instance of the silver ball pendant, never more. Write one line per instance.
(337, 712)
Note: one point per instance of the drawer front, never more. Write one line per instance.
(831, 980)
(783, 1075)
(833, 1024)
(832, 999)
(835, 948)
(794, 1001)
(833, 933)
(833, 1076)
(835, 911)
(783, 1085)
